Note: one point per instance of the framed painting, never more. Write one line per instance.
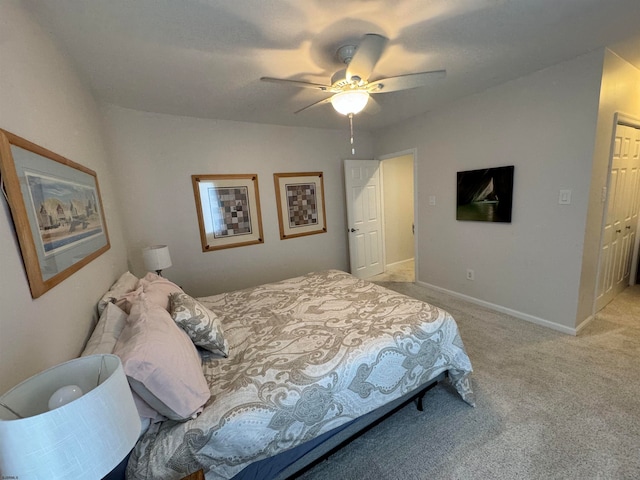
(485, 195)
(300, 201)
(56, 208)
(228, 208)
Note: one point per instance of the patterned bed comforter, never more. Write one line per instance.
(306, 355)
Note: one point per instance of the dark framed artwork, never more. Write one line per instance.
(300, 201)
(228, 208)
(56, 209)
(485, 195)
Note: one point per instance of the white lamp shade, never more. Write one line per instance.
(351, 101)
(85, 438)
(156, 257)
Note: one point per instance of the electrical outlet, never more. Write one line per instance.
(470, 274)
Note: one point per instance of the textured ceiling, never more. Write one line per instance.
(204, 58)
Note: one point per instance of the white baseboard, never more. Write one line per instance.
(514, 313)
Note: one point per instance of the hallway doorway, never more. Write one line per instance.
(397, 174)
(400, 272)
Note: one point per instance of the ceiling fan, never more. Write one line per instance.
(351, 86)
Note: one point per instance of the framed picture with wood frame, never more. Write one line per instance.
(300, 201)
(56, 208)
(228, 208)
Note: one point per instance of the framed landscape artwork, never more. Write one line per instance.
(300, 201)
(228, 208)
(485, 195)
(56, 208)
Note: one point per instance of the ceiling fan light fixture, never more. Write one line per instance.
(350, 102)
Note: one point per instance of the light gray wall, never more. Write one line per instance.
(544, 125)
(154, 157)
(43, 100)
(620, 92)
(397, 184)
(541, 265)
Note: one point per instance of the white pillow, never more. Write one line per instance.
(125, 284)
(108, 329)
(161, 363)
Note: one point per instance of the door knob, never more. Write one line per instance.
(628, 227)
(618, 231)
(354, 230)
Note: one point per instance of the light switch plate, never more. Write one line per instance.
(565, 197)
(432, 200)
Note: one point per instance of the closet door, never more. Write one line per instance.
(621, 216)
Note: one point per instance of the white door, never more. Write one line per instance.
(364, 222)
(621, 217)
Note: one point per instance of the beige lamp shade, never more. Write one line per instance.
(156, 257)
(86, 438)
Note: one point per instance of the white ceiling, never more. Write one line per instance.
(204, 58)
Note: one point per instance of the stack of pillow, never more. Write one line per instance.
(154, 327)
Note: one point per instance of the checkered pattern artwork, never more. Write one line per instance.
(302, 204)
(230, 211)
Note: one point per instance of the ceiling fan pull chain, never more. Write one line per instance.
(353, 149)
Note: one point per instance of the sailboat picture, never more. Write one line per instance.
(485, 195)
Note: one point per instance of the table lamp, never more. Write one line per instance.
(156, 257)
(92, 425)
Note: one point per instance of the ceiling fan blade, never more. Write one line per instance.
(324, 100)
(297, 83)
(367, 55)
(404, 82)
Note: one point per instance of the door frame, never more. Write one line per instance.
(619, 118)
(414, 153)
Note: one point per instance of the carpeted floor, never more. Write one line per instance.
(549, 405)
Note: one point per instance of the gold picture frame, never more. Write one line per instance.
(228, 208)
(56, 208)
(300, 201)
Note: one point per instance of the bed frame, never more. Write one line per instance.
(292, 463)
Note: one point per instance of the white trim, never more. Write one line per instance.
(383, 226)
(499, 308)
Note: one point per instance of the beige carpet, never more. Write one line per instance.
(549, 405)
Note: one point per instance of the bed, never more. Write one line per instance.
(310, 360)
